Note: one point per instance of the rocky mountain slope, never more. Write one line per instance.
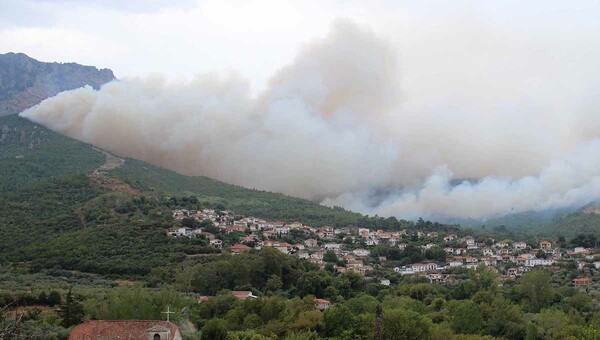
(24, 81)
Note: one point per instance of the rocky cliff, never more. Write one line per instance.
(24, 81)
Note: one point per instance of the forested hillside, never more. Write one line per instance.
(30, 153)
(147, 177)
(53, 215)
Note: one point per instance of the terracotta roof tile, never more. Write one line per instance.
(121, 329)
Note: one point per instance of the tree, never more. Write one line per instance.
(190, 222)
(338, 319)
(314, 283)
(330, 257)
(466, 318)
(42, 298)
(215, 329)
(541, 254)
(435, 254)
(400, 324)
(71, 312)
(531, 333)
(506, 320)
(273, 283)
(54, 298)
(535, 288)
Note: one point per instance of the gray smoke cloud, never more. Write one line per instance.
(347, 120)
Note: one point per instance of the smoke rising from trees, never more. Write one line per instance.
(346, 121)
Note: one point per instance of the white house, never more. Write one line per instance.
(520, 245)
(361, 252)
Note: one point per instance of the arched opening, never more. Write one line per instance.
(156, 337)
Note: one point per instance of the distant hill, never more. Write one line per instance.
(53, 214)
(583, 221)
(24, 81)
(31, 153)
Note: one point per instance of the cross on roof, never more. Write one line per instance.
(168, 312)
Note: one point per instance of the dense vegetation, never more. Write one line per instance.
(536, 306)
(30, 153)
(268, 205)
(61, 232)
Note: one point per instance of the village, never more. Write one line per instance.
(353, 248)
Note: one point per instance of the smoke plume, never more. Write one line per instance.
(346, 124)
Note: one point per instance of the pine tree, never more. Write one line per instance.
(71, 312)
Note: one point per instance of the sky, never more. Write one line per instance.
(255, 38)
(408, 108)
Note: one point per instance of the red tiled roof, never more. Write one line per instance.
(121, 329)
(239, 247)
(242, 294)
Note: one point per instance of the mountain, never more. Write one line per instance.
(66, 204)
(582, 221)
(24, 81)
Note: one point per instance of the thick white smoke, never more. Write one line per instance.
(337, 125)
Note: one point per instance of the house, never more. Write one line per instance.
(455, 263)
(322, 304)
(489, 261)
(469, 240)
(538, 262)
(429, 246)
(419, 267)
(216, 243)
(502, 244)
(317, 255)
(354, 264)
(126, 329)
(284, 247)
(184, 231)
(364, 232)
(332, 246)
(545, 245)
(243, 294)
(436, 278)
(372, 241)
(488, 251)
(582, 281)
(520, 245)
(361, 252)
(310, 242)
(239, 248)
(385, 282)
(512, 271)
(449, 237)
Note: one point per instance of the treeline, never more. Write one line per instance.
(474, 308)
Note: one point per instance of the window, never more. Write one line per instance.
(156, 337)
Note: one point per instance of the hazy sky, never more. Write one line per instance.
(255, 38)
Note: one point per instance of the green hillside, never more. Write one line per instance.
(146, 177)
(573, 224)
(53, 216)
(30, 153)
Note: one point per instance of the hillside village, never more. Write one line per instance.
(357, 249)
